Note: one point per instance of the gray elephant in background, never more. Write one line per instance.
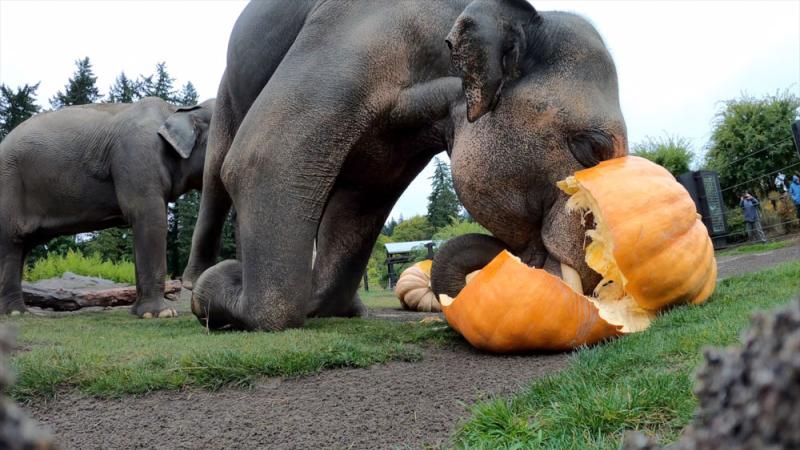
(90, 167)
(328, 109)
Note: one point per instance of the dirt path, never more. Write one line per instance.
(733, 265)
(388, 406)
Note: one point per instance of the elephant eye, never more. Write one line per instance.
(592, 146)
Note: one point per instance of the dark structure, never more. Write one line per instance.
(749, 394)
(402, 253)
(704, 188)
(796, 135)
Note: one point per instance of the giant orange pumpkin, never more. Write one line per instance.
(649, 245)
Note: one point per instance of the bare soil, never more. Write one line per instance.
(397, 405)
(405, 405)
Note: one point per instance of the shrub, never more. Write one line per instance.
(76, 262)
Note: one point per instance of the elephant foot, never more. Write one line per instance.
(157, 309)
(216, 294)
(13, 307)
(192, 272)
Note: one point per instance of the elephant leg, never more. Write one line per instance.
(280, 171)
(345, 238)
(215, 203)
(352, 221)
(12, 257)
(150, 256)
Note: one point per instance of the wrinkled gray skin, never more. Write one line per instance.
(328, 109)
(85, 168)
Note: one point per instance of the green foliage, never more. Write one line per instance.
(458, 227)
(112, 244)
(159, 84)
(124, 90)
(416, 228)
(671, 152)
(746, 125)
(443, 202)
(376, 266)
(81, 89)
(74, 261)
(116, 354)
(56, 246)
(640, 381)
(16, 107)
(188, 95)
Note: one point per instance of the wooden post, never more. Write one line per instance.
(366, 282)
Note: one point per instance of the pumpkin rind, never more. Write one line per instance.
(662, 252)
(510, 307)
(413, 288)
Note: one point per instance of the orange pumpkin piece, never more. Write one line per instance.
(509, 307)
(413, 288)
(649, 245)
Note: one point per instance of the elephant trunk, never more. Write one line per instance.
(459, 257)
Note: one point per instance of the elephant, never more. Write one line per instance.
(88, 167)
(328, 109)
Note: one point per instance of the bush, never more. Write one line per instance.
(76, 262)
(459, 227)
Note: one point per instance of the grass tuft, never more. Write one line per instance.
(753, 248)
(642, 381)
(113, 354)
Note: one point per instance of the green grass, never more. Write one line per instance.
(115, 354)
(76, 262)
(754, 248)
(642, 381)
(379, 298)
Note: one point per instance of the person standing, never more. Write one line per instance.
(752, 218)
(794, 192)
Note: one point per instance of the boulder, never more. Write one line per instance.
(72, 292)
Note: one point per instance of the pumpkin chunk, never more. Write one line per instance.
(648, 244)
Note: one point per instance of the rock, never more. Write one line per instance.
(17, 431)
(72, 292)
(749, 395)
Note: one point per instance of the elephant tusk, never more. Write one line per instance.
(572, 278)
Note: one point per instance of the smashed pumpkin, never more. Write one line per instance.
(648, 244)
(413, 288)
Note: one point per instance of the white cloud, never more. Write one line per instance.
(676, 60)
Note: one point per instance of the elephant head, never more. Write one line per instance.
(540, 103)
(186, 131)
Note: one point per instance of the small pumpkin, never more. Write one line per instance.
(413, 288)
(649, 245)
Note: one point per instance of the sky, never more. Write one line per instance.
(677, 61)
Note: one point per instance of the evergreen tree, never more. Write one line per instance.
(124, 90)
(81, 88)
(443, 204)
(160, 84)
(188, 95)
(388, 228)
(16, 107)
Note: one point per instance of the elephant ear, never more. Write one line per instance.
(181, 131)
(486, 43)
